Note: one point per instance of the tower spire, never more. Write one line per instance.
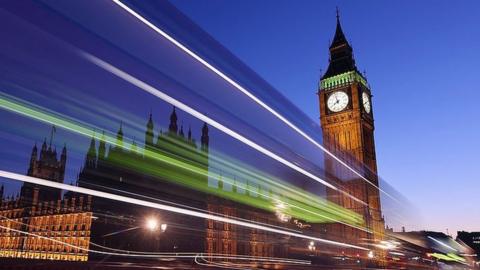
(102, 149)
(43, 151)
(120, 136)
(341, 53)
(90, 160)
(33, 159)
(181, 131)
(205, 138)
(63, 157)
(149, 133)
(52, 133)
(173, 128)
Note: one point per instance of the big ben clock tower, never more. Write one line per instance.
(347, 122)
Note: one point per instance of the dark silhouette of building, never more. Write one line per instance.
(145, 173)
(154, 173)
(471, 239)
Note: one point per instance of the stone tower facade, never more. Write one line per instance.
(347, 122)
(46, 165)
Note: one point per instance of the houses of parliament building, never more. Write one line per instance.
(40, 223)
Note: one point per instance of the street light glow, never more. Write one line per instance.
(152, 224)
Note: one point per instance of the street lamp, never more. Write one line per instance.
(152, 224)
(311, 246)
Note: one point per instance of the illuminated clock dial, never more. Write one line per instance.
(337, 101)
(366, 102)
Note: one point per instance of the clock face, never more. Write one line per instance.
(366, 102)
(337, 101)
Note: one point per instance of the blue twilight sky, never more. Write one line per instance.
(422, 60)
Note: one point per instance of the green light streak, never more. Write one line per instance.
(275, 185)
(185, 165)
(456, 257)
(450, 257)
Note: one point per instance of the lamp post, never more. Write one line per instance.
(153, 225)
(311, 247)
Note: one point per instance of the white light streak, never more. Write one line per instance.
(165, 255)
(441, 243)
(225, 179)
(156, 254)
(187, 206)
(96, 251)
(154, 91)
(241, 89)
(43, 182)
(220, 265)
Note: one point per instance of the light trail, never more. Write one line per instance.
(442, 243)
(220, 265)
(160, 255)
(306, 200)
(192, 254)
(243, 90)
(156, 254)
(154, 91)
(91, 250)
(122, 231)
(43, 182)
(191, 207)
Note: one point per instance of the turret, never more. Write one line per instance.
(173, 128)
(52, 133)
(181, 132)
(63, 160)
(120, 137)
(149, 133)
(63, 157)
(189, 136)
(44, 149)
(91, 158)
(102, 147)
(33, 160)
(204, 138)
(190, 140)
